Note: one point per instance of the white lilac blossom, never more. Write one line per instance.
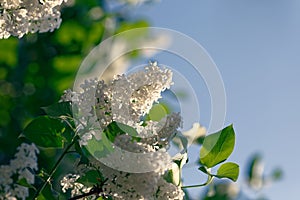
(22, 166)
(69, 182)
(123, 185)
(126, 100)
(139, 186)
(168, 191)
(19, 17)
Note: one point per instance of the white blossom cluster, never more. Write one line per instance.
(69, 182)
(139, 186)
(19, 17)
(123, 185)
(126, 100)
(20, 167)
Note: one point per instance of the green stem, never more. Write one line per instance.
(54, 169)
(209, 180)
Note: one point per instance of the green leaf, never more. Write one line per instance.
(168, 176)
(228, 170)
(157, 112)
(23, 182)
(46, 132)
(48, 194)
(203, 169)
(90, 178)
(200, 140)
(99, 148)
(115, 128)
(126, 129)
(217, 147)
(59, 109)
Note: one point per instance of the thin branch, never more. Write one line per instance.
(209, 180)
(54, 169)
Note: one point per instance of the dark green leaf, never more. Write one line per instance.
(59, 109)
(180, 160)
(126, 129)
(228, 170)
(46, 132)
(24, 183)
(168, 176)
(82, 151)
(90, 178)
(47, 194)
(203, 169)
(200, 140)
(115, 128)
(217, 147)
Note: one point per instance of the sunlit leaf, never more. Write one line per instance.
(99, 148)
(228, 170)
(217, 147)
(157, 112)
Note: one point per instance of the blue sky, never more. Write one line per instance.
(256, 46)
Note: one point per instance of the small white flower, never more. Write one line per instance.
(69, 182)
